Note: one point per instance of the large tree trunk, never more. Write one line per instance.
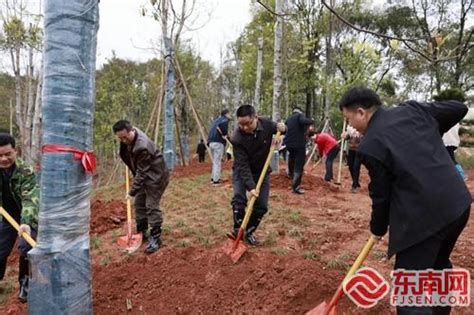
(169, 144)
(30, 105)
(277, 61)
(61, 271)
(36, 130)
(327, 92)
(19, 115)
(184, 124)
(258, 79)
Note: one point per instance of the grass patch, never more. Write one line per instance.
(96, 242)
(295, 233)
(280, 251)
(184, 243)
(379, 255)
(340, 263)
(295, 216)
(270, 239)
(105, 260)
(6, 290)
(310, 255)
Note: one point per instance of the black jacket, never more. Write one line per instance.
(145, 161)
(296, 128)
(251, 151)
(201, 148)
(415, 188)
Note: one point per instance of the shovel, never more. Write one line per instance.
(330, 308)
(234, 247)
(13, 223)
(341, 153)
(130, 242)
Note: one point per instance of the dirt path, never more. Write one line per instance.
(308, 242)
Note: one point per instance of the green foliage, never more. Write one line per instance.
(450, 94)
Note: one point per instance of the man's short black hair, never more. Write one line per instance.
(6, 139)
(360, 96)
(224, 112)
(121, 125)
(245, 110)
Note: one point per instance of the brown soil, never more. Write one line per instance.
(308, 242)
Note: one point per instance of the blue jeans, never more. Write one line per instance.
(239, 202)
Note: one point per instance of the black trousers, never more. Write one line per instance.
(239, 202)
(296, 162)
(353, 162)
(202, 157)
(8, 236)
(329, 163)
(432, 253)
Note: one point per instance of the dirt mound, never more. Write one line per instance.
(199, 281)
(310, 182)
(106, 216)
(195, 168)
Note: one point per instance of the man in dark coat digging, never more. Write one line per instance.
(151, 177)
(414, 186)
(251, 142)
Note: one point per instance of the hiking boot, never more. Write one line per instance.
(23, 293)
(154, 242)
(142, 227)
(216, 183)
(251, 240)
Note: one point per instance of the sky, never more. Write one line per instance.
(132, 36)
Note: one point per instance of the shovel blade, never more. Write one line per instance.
(228, 249)
(322, 309)
(132, 243)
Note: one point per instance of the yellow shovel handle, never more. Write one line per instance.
(13, 223)
(360, 259)
(248, 211)
(129, 202)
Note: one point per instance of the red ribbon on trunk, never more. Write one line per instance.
(88, 159)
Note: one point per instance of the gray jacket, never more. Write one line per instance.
(145, 161)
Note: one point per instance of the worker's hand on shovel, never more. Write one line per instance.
(24, 228)
(254, 192)
(377, 237)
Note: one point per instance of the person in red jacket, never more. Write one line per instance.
(328, 147)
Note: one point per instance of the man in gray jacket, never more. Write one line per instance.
(151, 177)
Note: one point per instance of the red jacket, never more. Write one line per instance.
(325, 143)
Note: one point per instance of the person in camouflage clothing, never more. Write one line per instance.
(19, 196)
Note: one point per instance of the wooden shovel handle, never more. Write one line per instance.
(13, 223)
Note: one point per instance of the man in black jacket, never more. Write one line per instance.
(251, 142)
(151, 177)
(415, 188)
(295, 141)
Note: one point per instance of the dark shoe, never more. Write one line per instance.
(298, 191)
(23, 293)
(153, 245)
(251, 240)
(217, 183)
(142, 227)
